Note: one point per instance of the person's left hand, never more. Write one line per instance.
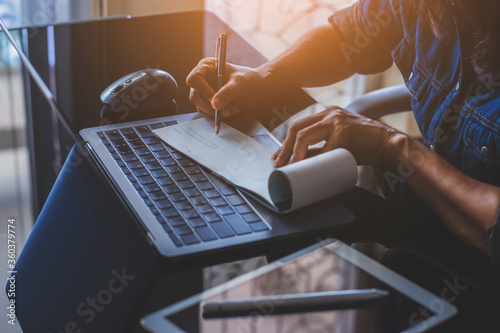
(363, 137)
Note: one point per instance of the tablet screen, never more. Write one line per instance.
(320, 270)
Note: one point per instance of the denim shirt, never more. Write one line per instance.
(457, 113)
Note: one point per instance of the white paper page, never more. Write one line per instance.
(314, 179)
(233, 155)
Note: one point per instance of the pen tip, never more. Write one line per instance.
(217, 130)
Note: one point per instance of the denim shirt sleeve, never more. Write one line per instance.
(494, 242)
(370, 30)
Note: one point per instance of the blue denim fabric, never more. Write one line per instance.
(458, 113)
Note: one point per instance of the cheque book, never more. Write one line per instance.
(247, 164)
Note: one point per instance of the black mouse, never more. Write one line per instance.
(144, 94)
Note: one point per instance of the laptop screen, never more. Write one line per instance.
(321, 270)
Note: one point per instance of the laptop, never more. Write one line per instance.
(183, 209)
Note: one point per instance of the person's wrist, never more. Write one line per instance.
(275, 78)
(268, 77)
(393, 147)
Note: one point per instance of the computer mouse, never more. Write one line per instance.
(144, 94)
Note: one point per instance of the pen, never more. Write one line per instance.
(220, 65)
(293, 303)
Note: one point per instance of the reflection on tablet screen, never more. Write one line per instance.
(321, 270)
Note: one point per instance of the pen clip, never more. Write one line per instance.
(217, 46)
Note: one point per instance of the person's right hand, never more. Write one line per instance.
(243, 88)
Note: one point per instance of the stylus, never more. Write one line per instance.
(293, 303)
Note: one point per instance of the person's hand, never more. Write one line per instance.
(363, 137)
(243, 88)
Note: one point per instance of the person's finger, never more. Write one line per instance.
(284, 154)
(203, 112)
(313, 152)
(231, 110)
(198, 80)
(330, 144)
(275, 155)
(201, 103)
(306, 137)
(228, 112)
(226, 95)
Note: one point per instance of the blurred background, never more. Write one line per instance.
(269, 25)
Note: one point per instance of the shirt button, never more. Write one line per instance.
(457, 86)
(484, 152)
(409, 77)
(432, 147)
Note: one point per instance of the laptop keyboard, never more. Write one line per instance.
(191, 207)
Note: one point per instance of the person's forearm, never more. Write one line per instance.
(314, 60)
(467, 206)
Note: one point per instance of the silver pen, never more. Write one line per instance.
(220, 59)
(293, 303)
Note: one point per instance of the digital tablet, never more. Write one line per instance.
(331, 267)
